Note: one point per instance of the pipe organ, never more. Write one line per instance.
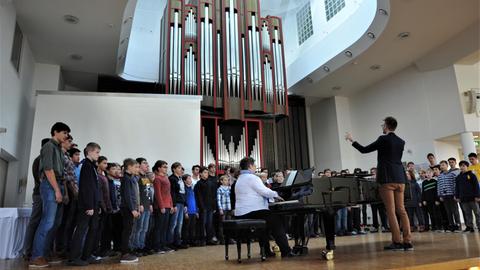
(227, 52)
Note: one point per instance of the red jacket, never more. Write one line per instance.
(163, 198)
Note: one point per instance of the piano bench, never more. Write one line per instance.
(243, 230)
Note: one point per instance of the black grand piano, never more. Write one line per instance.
(305, 195)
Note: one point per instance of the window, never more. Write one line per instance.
(304, 23)
(17, 48)
(332, 7)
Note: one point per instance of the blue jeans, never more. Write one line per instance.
(341, 221)
(142, 228)
(49, 211)
(174, 235)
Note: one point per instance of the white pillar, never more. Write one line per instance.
(468, 144)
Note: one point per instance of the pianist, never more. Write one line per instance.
(251, 202)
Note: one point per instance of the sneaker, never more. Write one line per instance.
(77, 262)
(94, 260)
(168, 250)
(394, 247)
(39, 262)
(375, 230)
(128, 258)
(408, 247)
(159, 251)
(55, 259)
(467, 229)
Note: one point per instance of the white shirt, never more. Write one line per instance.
(195, 180)
(251, 194)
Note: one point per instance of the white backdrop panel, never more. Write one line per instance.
(156, 127)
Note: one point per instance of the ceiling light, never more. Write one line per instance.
(404, 35)
(327, 69)
(371, 35)
(348, 53)
(375, 67)
(76, 57)
(383, 11)
(336, 88)
(71, 19)
(309, 80)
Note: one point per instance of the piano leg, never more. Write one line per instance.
(239, 250)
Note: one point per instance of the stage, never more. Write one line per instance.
(452, 250)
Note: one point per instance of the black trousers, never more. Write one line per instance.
(379, 210)
(433, 212)
(117, 227)
(33, 223)
(274, 227)
(189, 229)
(86, 229)
(227, 215)
(161, 228)
(105, 235)
(353, 219)
(127, 226)
(328, 222)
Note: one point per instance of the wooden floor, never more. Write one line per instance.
(432, 251)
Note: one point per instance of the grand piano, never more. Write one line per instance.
(305, 195)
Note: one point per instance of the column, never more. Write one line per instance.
(468, 144)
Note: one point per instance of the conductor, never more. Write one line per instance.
(391, 177)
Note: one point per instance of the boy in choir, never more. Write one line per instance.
(223, 204)
(467, 192)
(115, 234)
(191, 216)
(104, 228)
(129, 207)
(83, 241)
(195, 174)
(205, 198)
(452, 162)
(277, 179)
(163, 206)
(146, 208)
(413, 205)
(430, 201)
(446, 194)
(51, 169)
(177, 189)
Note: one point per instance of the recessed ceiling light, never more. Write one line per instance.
(404, 35)
(336, 88)
(383, 11)
(71, 19)
(375, 67)
(76, 57)
(354, 63)
(371, 35)
(348, 53)
(327, 69)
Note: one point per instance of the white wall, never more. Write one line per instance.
(468, 76)
(16, 106)
(426, 105)
(156, 127)
(47, 77)
(325, 137)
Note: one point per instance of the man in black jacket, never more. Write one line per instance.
(391, 177)
(88, 210)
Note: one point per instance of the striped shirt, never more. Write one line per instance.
(446, 184)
